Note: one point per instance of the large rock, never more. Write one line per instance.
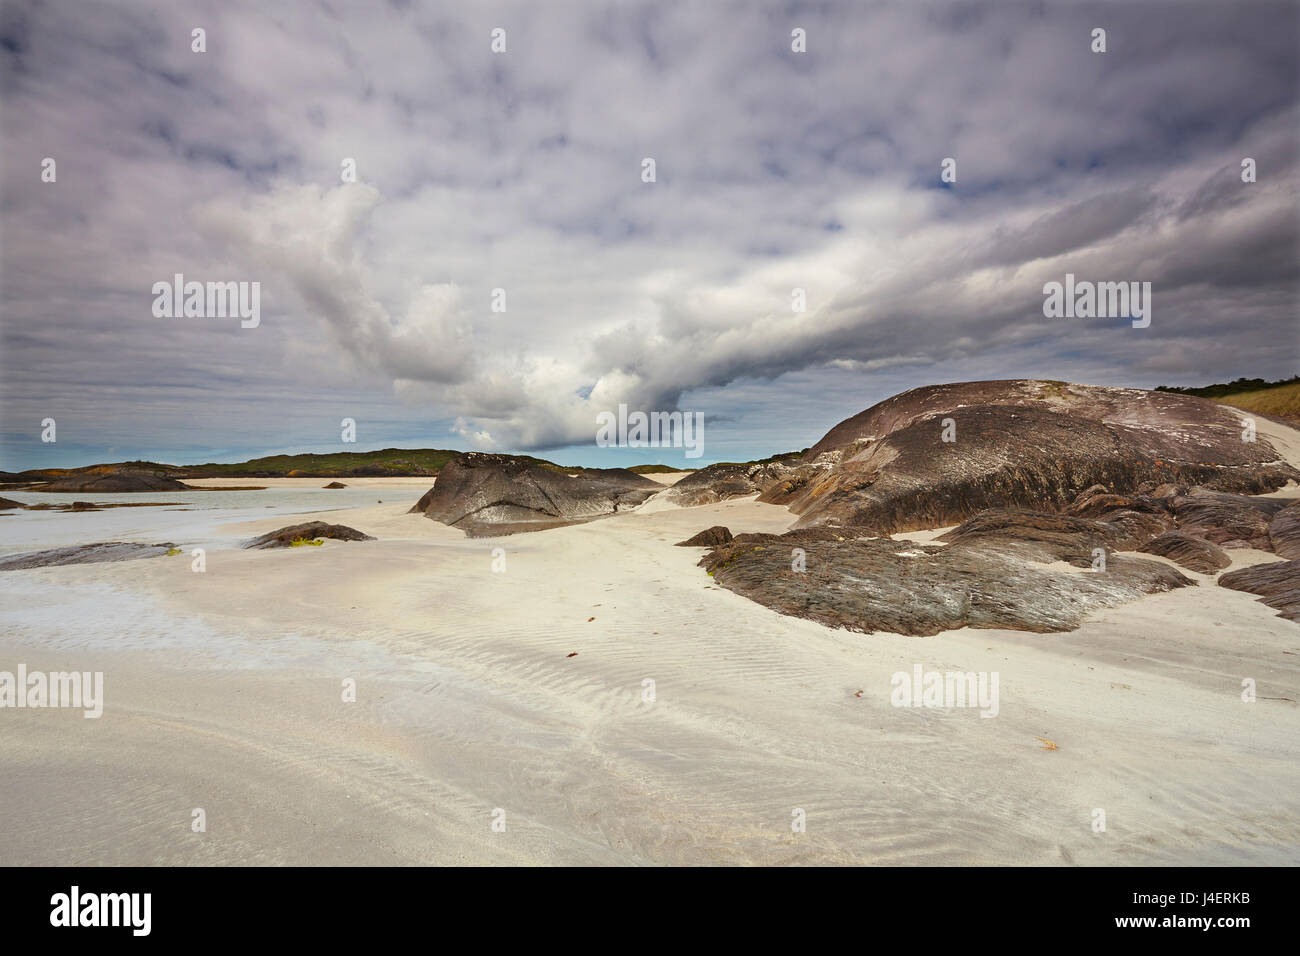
(7, 503)
(115, 483)
(1233, 521)
(310, 531)
(1028, 444)
(1193, 553)
(1277, 583)
(1006, 572)
(487, 495)
(1284, 531)
(422, 505)
(723, 481)
(708, 538)
(99, 553)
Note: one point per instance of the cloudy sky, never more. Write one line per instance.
(522, 170)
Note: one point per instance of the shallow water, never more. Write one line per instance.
(185, 518)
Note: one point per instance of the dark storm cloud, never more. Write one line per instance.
(521, 171)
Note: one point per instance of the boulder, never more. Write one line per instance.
(1233, 521)
(708, 538)
(725, 480)
(1284, 531)
(1276, 582)
(423, 504)
(309, 531)
(485, 495)
(1193, 553)
(1020, 443)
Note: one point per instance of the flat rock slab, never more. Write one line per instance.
(989, 577)
(100, 553)
(1277, 583)
(310, 531)
(114, 483)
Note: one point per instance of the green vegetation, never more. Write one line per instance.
(789, 457)
(171, 551)
(384, 463)
(302, 542)
(1280, 399)
(656, 469)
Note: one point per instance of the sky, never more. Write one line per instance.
(522, 170)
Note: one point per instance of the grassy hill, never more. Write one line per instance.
(1280, 399)
(386, 462)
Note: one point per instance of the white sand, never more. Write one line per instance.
(223, 692)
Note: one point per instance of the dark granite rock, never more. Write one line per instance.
(1284, 531)
(7, 503)
(724, 481)
(1234, 521)
(1026, 444)
(1193, 553)
(1277, 583)
(486, 495)
(102, 552)
(310, 531)
(114, 483)
(336, 484)
(423, 504)
(993, 574)
(708, 538)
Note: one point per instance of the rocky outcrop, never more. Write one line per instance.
(423, 504)
(1234, 521)
(114, 483)
(1284, 531)
(309, 531)
(7, 503)
(1277, 583)
(1027, 444)
(336, 484)
(100, 553)
(1193, 553)
(486, 495)
(1005, 571)
(726, 480)
(708, 538)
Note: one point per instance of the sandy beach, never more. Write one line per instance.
(612, 706)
